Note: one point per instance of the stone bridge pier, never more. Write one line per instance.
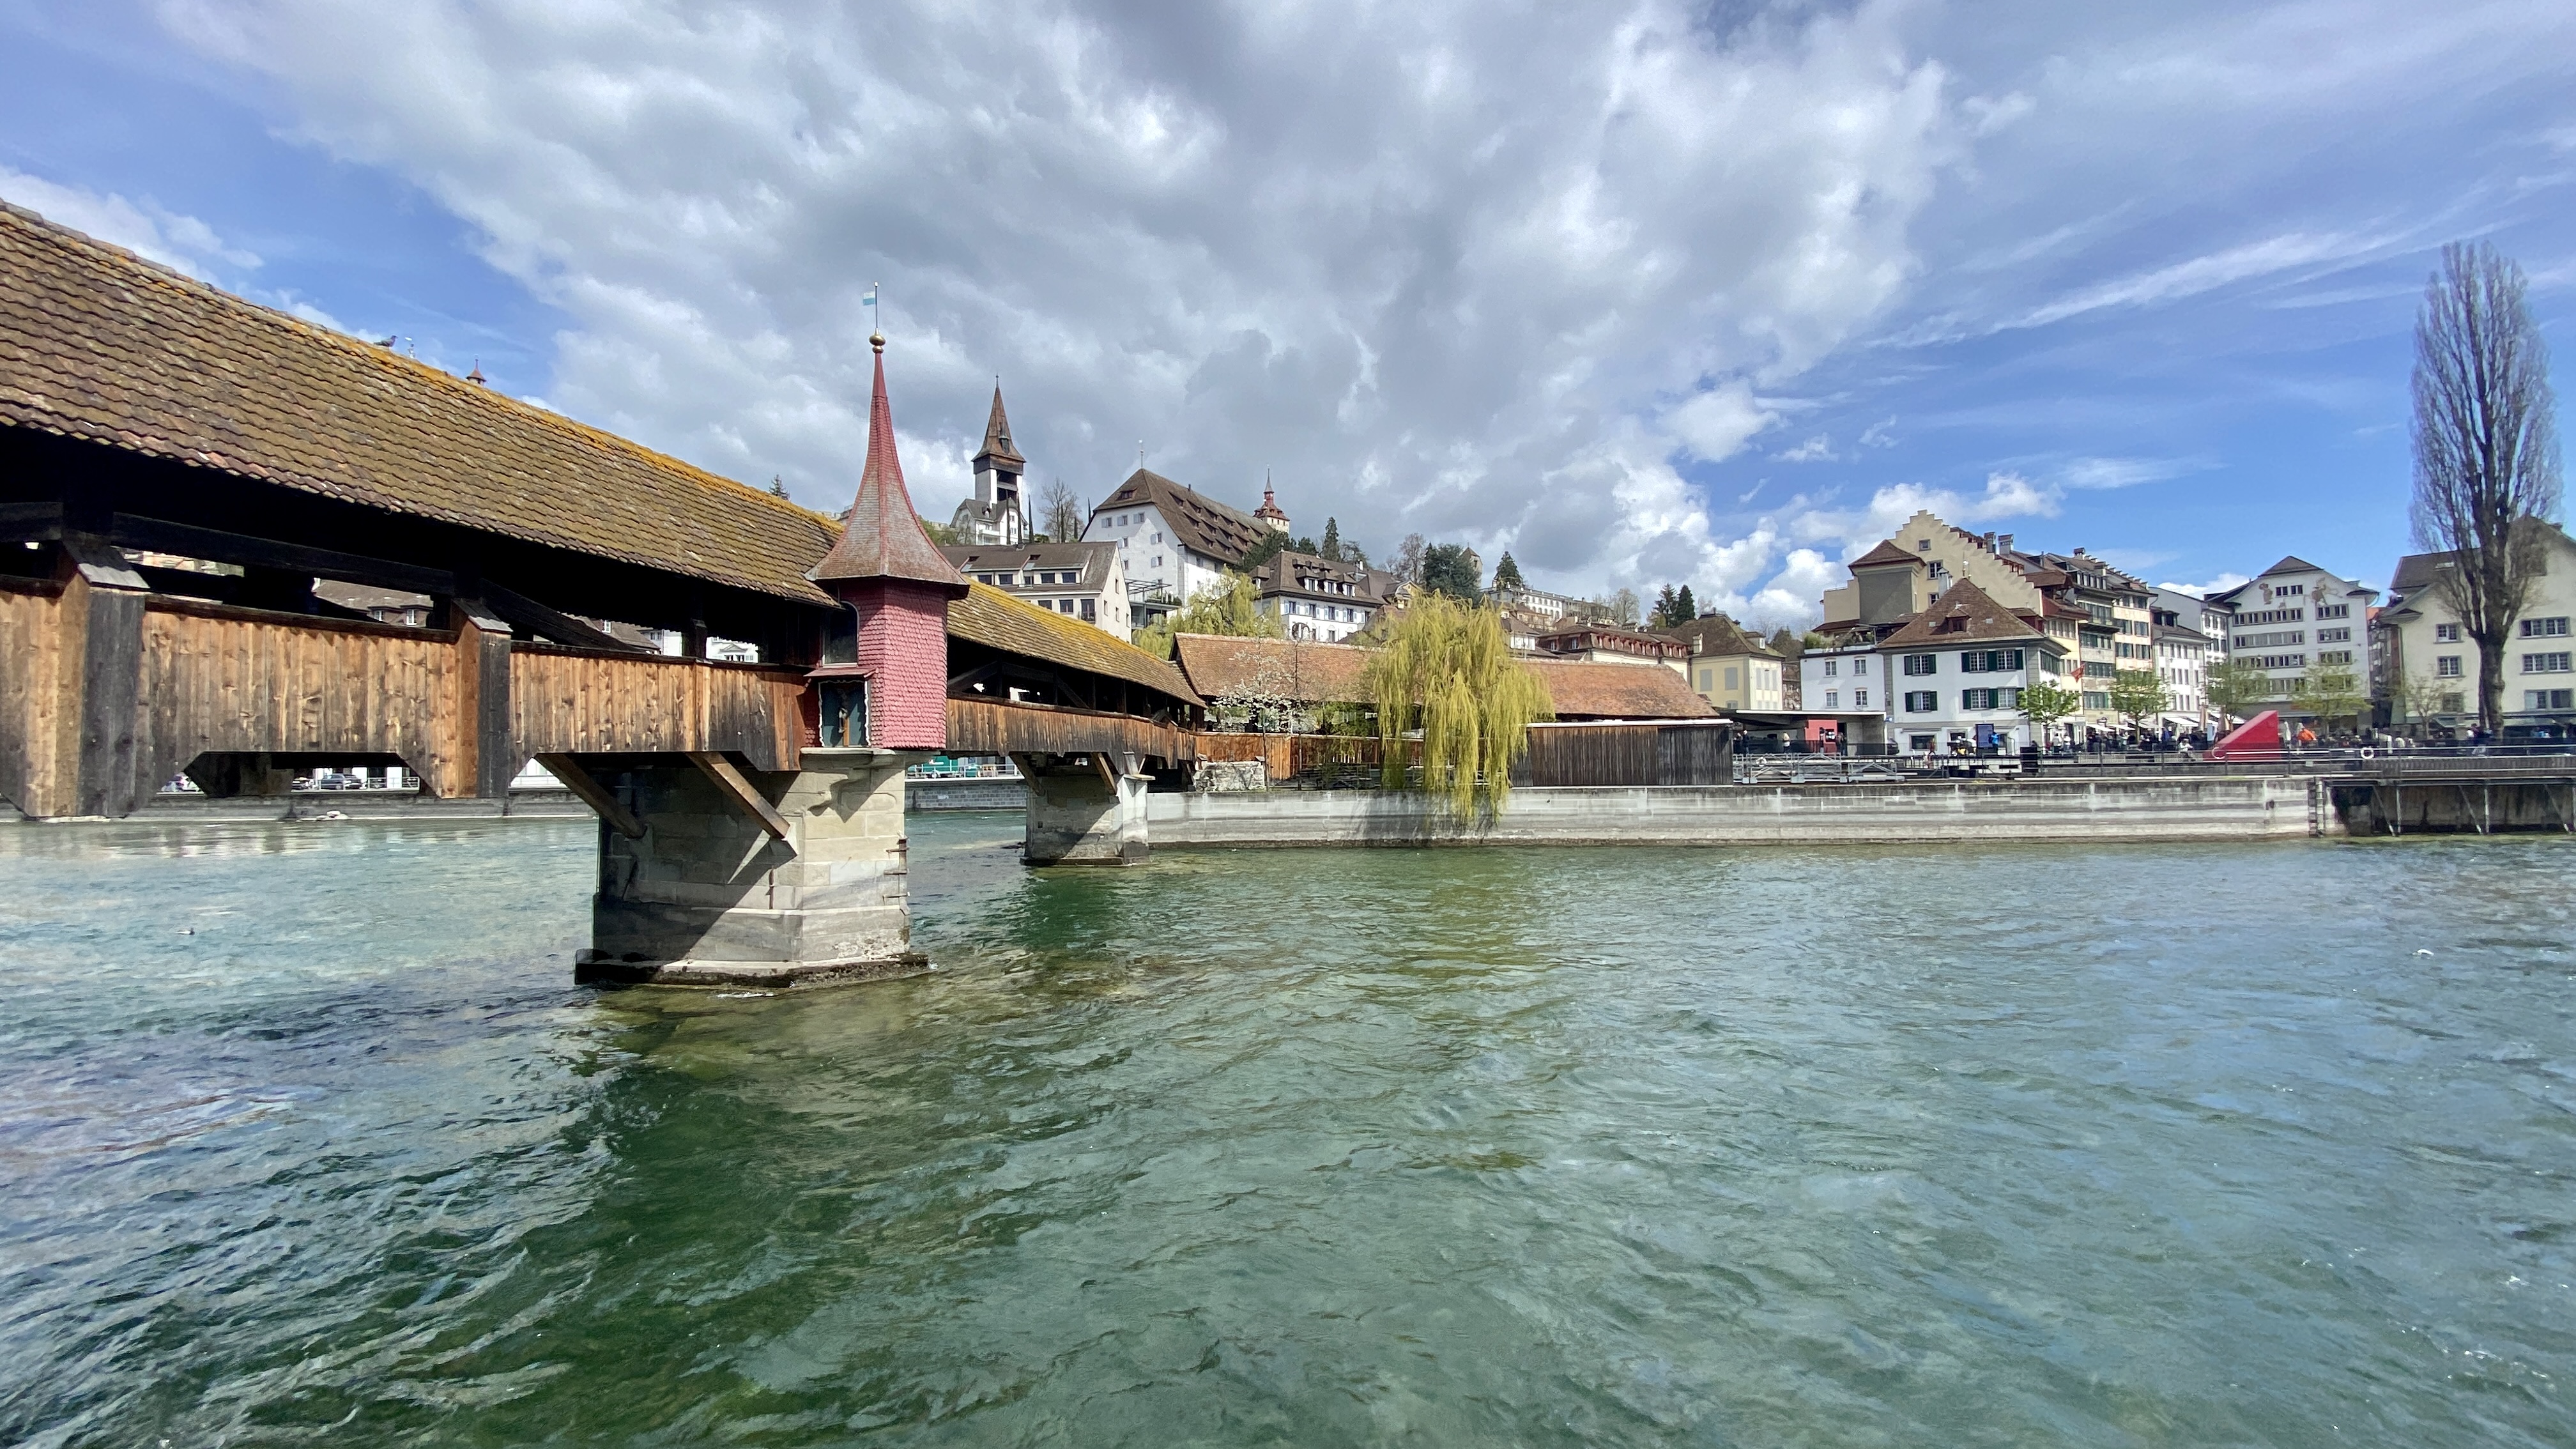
(1084, 809)
(711, 875)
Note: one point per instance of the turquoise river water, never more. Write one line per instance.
(308, 1138)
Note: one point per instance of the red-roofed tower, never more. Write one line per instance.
(898, 585)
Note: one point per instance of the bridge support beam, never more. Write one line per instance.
(1084, 809)
(711, 894)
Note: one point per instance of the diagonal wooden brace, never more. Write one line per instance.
(736, 787)
(594, 794)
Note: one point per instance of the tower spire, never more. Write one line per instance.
(882, 538)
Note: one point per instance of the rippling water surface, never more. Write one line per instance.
(306, 1137)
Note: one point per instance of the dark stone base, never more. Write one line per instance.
(593, 968)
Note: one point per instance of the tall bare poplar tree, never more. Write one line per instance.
(2486, 449)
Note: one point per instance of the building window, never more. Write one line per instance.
(2334, 656)
(1088, 616)
(2334, 636)
(2334, 611)
(2558, 699)
(2452, 703)
(1989, 698)
(1860, 699)
(1829, 669)
(1921, 701)
(2544, 628)
(1860, 666)
(2446, 633)
(1989, 661)
(2280, 661)
(1708, 679)
(2544, 663)
(2447, 666)
(1730, 674)
(1833, 700)
(1922, 663)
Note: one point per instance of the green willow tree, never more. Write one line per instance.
(1227, 608)
(1446, 671)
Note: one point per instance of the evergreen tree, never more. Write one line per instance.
(1453, 569)
(1685, 608)
(1331, 552)
(1507, 574)
(1665, 604)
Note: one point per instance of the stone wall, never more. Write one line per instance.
(2089, 811)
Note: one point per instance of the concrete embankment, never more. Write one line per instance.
(351, 805)
(997, 794)
(2219, 808)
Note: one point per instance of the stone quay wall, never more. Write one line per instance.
(1000, 793)
(1914, 812)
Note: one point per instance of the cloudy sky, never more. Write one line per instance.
(1642, 292)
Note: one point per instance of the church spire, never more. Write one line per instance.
(997, 437)
(882, 539)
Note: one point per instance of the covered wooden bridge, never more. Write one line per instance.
(178, 469)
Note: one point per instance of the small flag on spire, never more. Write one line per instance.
(870, 299)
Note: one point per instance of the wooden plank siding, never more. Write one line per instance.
(238, 681)
(993, 727)
(460, 708)
(1631, 754)
(573, 702)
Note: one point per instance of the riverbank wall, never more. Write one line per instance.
(1912, 812)
(177, 809)
(996, 794)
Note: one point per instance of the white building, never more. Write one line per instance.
(2189, 632)
(995, 513)
(2431, 664)
(1956, 674)
(1320, 599)
(2295, 616)
(1083, 580)
(1172, 541)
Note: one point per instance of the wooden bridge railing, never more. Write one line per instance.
(995, 727)
(106, 692)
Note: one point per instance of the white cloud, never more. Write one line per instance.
(2200, 274)
(1438, 274)
(182, 243)
(2101, 474)
(1718, 423)
(1818, 449)
(2218, 585)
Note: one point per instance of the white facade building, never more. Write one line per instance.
(2295, 616)
(2432, 665)
(1956, 673)
(1172, 541)
(1081, 580)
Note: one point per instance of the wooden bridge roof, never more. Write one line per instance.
(96, 343)
(996, 620)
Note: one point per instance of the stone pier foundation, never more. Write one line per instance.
(714, 893)
(1084, 809)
